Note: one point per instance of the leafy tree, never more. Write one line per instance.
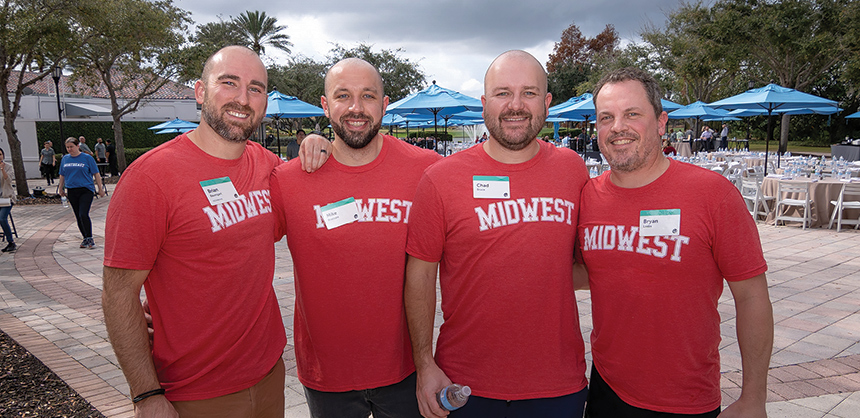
(701, 67)
(258, 30)
(572, 59)
(399, 75)
(208, 39)
(134, 49)
(301, 77)
(794, 41)
(35, 35)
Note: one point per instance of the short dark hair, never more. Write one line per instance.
(302, 131)
(652, 89)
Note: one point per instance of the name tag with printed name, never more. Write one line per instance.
(220, 190)
(340, 213)
(653, 223)
(491, 187)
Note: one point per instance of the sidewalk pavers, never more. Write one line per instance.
(50, 294)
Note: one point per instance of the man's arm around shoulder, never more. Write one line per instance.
(126, 327)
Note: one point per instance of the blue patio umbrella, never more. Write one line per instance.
(175, 124)
(576, 108)
(391, 119)
(773, 99)
(436, 101)
(173, 131)
(698, 110)
(798, 111)
(853, 116)
(579, 108)
(669, 105)
(282, 106)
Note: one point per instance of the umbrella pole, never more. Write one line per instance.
(768, 138)
(278, 134)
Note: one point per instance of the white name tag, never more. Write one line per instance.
(340, 213)
(220, 190)
(491, 187)
(659, 222)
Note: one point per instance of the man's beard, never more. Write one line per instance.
(355, 140)
(227, 130)
(518, 139)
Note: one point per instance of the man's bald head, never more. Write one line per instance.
(230, 52)
(515, 59)
(351, 64)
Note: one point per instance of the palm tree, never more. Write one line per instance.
(259, 30)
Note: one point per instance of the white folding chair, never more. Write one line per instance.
(733, 173)
(757, 202)
(849, 198)
(783, 202)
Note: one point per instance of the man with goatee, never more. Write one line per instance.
(192, 223)
(499, 221)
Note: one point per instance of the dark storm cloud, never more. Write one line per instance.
(478, 24)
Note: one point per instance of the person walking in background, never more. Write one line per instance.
(100, 155)
(76, 181)
(47, 161)
(7, 199)
(724, 137)
(110, 151)
(82, 144)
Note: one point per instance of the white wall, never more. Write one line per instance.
(44, 108)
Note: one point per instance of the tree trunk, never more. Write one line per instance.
(120, 148)
(783, 134)
(15, 151)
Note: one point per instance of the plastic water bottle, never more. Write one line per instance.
(453, 396)
(65, 201)
(593, 172)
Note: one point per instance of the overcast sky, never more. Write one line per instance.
(453, 41)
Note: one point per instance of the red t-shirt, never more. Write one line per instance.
(511, 327)
(218, 328)
(350, 322)
(654, 299)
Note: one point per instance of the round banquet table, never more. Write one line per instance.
(821, 193)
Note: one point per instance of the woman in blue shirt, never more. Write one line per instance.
(76, 180)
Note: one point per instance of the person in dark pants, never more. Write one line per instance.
(6, 192)
(77, 171)
(111, 157)
(46, 162)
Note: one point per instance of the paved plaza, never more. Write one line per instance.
(50, 294)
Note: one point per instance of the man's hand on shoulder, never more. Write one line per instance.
(313, 152)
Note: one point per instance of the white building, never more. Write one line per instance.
(82, 103)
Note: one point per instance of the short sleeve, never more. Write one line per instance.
(278, 205)
(426, 230)
(737, 246)
(136, 223)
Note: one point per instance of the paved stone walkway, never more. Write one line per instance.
(50, 303)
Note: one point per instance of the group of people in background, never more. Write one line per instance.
(104, 155)
(707, 140)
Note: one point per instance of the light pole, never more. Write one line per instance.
(56, 74)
